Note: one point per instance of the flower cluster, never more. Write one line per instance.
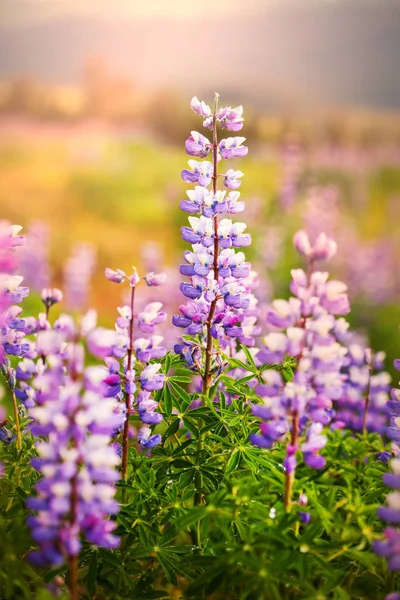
(363, 403)
(220, 285)
(303, 327)
(78, 270)
(129, 358)
(390, 546)
(74, 424)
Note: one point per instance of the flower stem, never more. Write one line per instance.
(289, 477)
(125, 434)
(73, 576)
(367, 399)
(209, 343)
(17, 423)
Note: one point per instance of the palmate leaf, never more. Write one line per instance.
(91, 577)
(193, 515)
(233, 462)
(191, 426)
(171, 429)
(169, 564)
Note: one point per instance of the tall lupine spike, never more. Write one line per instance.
(78, 271)
(362, 407)
(219, 288)
(306, 323)
(133, 352)
(11, 326)
(34, 256)
(76, 459)
(390, 546)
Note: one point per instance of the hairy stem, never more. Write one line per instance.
(73, 558)
(17, 423)
(289, 477)
(367, 399)
(128, 395)
(209, 343)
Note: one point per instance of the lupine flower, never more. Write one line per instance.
(78, 271)
(34, 256)
(101, 342)
(150, 317)
(231, 118)
(197, 145)
(389, 547)
(79, 467)
(217, 297)
(151, 379)
(232, 179)
(116, 276)
(200, 107)
(155, 279)
(291, 170)
(363, 403)
(135, 353)
(308, 322)
(201, 173)
(232, 147)
(147, 440)
(51, 296)
(323, 248)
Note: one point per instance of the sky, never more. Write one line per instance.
(16, 12)
(277, 52)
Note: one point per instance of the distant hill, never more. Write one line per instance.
(318, 55)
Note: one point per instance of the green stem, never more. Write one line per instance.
(73, 576)
(209, 343)
(289, 477)
(125, 433)
(17, 423)
(367, 399)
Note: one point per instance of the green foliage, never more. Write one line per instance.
(203, 515)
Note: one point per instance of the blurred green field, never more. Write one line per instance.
(118, 193)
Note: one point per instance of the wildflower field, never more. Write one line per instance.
(200, 361)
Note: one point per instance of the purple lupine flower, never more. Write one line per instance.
(34, 256)
(78, 271)
(78, 464)
(50, 296)
(231, 118)
(232, 179)
(155, 279)
(323, 248)
(147, 440)
(150, 317)
(307, 324)
(291, 170)
(200, 107)
(151, 379)
(219, 300)
(116, 276)
(149, 348)
(389, 547)
(197, 145)
(232, 147)
(363, 405)
(129, 355)
(201, 173)
(101, 342)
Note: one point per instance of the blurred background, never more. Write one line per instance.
(94, 112)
